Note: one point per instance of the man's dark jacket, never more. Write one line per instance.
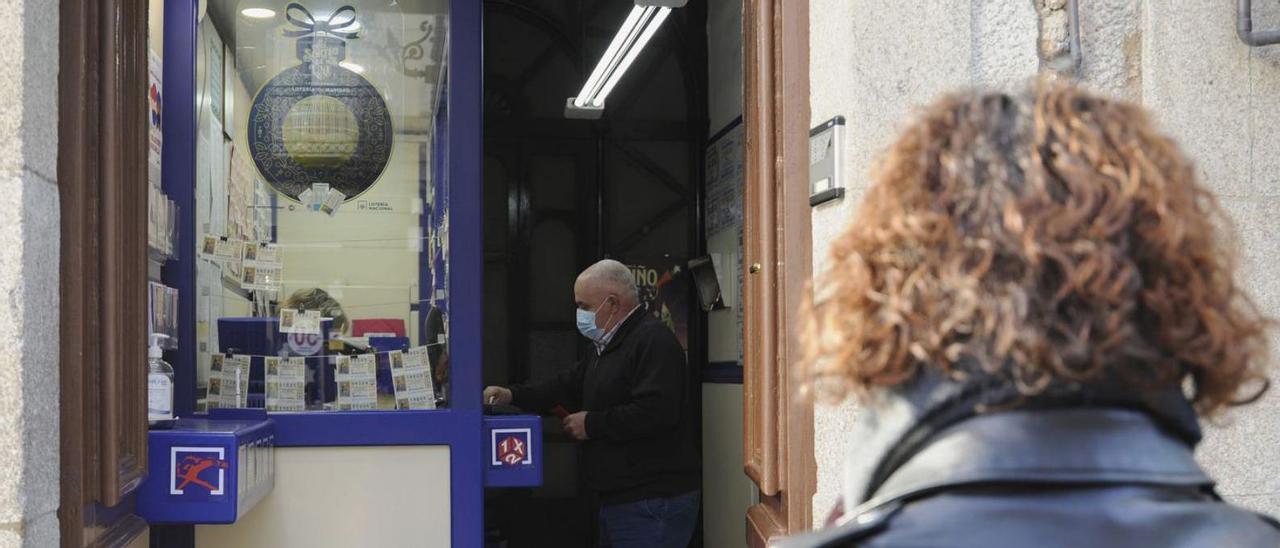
(638, 395)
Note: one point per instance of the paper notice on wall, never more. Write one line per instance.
(155, 133)
(357, 382)
(286, 383)
(411, 379)
(306, 322)
(724, 181)
(220, 201)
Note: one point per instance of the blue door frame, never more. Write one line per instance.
(458, 427)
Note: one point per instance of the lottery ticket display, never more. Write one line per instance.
(411, 379)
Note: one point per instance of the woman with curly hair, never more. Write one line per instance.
(1034, 306)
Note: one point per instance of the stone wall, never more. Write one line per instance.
(29, 231)
(1221, 99)
(875, 61)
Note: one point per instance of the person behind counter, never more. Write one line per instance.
(633, 395)
(314, 298)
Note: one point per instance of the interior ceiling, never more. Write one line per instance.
(399, 49)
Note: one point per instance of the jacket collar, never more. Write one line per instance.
(1061, 446)
(903, 425)
(620, 332)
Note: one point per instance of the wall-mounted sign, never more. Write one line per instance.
(318, 122)
(511, 447)
(199, 472)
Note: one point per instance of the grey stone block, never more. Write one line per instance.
(829, 220)
(1195, 77)
(1004, 44)
(29, 247)
(41, 531)
(9, 536)
(40, 266)
(1256, 227)
(1111, 46)
(1266, 504)
(830, 425)
(29, 109)
(875, 61)
(1264, 107)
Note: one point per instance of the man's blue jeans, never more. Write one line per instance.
(652, 523)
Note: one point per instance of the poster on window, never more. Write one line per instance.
(664, 289)
(318, 121)
(155, 133)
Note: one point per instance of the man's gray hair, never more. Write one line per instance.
(616, 276)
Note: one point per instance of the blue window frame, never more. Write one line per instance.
(459, 426)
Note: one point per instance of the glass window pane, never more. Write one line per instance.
(322, 205)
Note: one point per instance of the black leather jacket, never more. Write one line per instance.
(1074, 473)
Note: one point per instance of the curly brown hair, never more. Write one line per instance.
(1050, 236)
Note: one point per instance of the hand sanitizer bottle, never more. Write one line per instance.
(159, 386)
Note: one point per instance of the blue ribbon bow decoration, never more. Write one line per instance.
(342, 18)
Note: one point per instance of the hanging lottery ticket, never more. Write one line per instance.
(293, 320)
(357, 382)
(261, 254)
(235, 381)
(221, 249)
(285, 383)
(261, 278)
(411, 379)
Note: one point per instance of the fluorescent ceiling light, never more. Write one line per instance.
(639, 27)
(632, 53)
(258, 13)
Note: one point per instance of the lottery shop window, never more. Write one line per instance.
(322, 211)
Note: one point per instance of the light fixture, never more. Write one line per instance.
(639, 27)
(258, 13)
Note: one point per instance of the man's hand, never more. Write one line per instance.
(497, 395)
(576, 425)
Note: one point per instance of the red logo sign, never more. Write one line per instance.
(198, 470)
(190, 468)
(512, 450)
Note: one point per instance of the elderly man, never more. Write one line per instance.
(633, 402)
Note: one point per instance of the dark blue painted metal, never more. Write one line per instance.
(459, 427)
(722, 373)
(178, 156)
(466, 269)
(158, 502)
(525, 472)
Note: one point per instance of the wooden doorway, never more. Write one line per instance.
(102, 162)
(778, 425)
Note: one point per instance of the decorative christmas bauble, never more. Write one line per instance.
(318, 122)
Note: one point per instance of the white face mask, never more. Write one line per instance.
(587, 323)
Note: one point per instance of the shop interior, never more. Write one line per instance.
(306, 268)
(562, 193)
